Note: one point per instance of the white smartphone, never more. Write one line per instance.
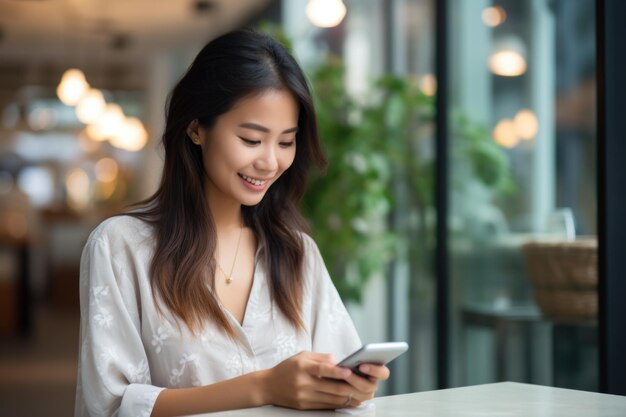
(374, 353)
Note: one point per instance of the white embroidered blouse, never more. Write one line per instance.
(129, 352)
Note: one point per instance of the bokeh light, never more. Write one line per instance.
(494, 16)
(132, 136)
(526, 124)
(505, 133)
(38, 184)
(91, 106)
(106, 170)
(325, 13)
(72, 87)
(77, 184)
(428, 84)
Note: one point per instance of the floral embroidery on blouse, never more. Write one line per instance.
(238, 364)
(187, 360)
(161, 336)
(286, 346)
(107, 355)
(139, 374)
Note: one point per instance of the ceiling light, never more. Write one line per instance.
(325, 13)
(90, 106)
(428, 84)
(505, 134)
(110, 122)
(508, 58)
(72, 87)
(526, 124)
(494, 16)
(94, 132)
(132, 136)
(507, 64)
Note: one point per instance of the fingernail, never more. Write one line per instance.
(345, 372)
(364, 368)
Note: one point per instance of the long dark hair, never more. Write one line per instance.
(227, 69)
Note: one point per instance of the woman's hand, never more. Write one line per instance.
(364, 388)
(313, 381)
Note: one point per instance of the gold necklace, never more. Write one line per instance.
(229, 277)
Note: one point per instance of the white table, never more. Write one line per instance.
(504, 399)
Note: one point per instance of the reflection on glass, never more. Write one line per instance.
(505, 133)
(536, 97)
(526, 124)
(494, 16)
(428, 84)
(508, 58)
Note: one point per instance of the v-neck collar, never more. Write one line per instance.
(244, 328)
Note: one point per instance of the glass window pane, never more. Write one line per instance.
(522, 192)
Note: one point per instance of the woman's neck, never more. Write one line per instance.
(226, 215)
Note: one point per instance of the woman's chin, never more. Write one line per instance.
(250, 202)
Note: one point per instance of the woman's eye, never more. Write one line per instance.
(287, 144)
(249, 141)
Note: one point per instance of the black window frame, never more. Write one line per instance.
(611, 87)
(611, 198)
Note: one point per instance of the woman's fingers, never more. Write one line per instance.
(362, 388)
(328, 370)
(365, 387)
(379, 372)
(333, 386)
(350, 386)
(316, 382)
(359, 391)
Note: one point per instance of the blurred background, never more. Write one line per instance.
(83, 85)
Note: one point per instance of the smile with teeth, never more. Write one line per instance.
(252, 180)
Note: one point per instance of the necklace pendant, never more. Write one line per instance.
(229, 280)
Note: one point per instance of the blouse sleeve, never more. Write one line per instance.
(113, 372)
(332, 328)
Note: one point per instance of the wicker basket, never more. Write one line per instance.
(564, 277)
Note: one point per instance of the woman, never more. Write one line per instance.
(210, 296)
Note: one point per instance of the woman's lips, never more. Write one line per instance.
(253, 183)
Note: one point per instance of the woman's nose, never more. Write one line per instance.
(268, 160)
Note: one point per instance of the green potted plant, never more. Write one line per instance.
(376, 147)
(380, 152)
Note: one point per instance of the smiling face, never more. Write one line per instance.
(249, 147)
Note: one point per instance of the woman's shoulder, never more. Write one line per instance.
(309, 245)
(307, 240)
(312, 255)
(124, 228)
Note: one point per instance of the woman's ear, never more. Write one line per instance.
(193, 131)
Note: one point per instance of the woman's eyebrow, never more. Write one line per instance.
(260, 128)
